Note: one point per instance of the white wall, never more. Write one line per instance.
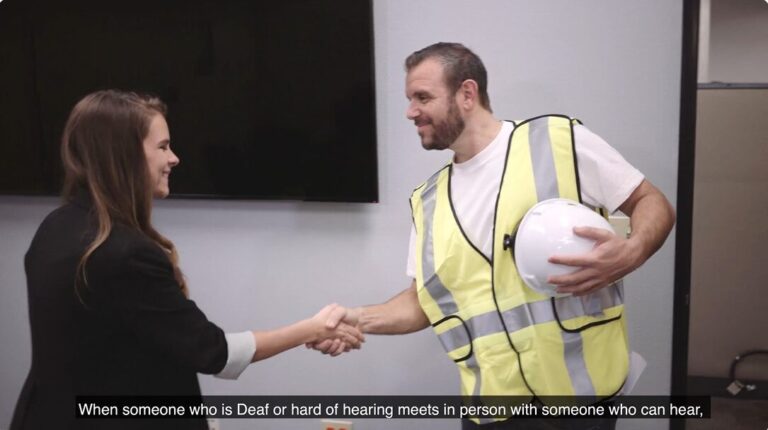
(262, 264)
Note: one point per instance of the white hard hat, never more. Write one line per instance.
(547, 230)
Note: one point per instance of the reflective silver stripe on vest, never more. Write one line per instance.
(472, 365)
(545, 176)
(542, 159)
(432, 282)
(529, 314)
(577, 367)
(478, 326)
(590, 305)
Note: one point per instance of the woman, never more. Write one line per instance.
(108, 304)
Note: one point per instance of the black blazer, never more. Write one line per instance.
(134, 333)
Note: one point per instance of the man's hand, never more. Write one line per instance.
(337, 330)
(612, 258)
(335, 318)
(399, 315)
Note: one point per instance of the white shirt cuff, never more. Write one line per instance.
(240, 350)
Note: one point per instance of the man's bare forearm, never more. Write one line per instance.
(651, 217)
(399, 315)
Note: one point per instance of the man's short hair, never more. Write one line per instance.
(459, 64)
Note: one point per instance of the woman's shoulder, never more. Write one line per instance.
(72, 219)
(66, 214)
(65, 229)
(127, 254)
(126, 244)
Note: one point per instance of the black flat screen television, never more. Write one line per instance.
(267, 100)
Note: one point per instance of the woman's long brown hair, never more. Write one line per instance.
(103, 153)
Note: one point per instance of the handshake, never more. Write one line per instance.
(337, 330)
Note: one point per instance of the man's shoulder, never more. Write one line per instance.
(431, 181)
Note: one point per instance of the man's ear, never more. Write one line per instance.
(468, 94)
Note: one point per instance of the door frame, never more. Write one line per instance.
(685, 184)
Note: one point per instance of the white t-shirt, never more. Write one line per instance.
(606, 180)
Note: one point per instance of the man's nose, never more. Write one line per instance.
(412, 112)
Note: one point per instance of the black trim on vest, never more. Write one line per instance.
(585, 326)
(456, 219)
(469, 336)
(413, 220)
(493, 276)
(410, 200)
(557, 115)
(573, 144)
(615, 394)
(575, 161)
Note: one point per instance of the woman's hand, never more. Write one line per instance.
(336, 329)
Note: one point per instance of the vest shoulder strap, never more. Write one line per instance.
(574, 121)
(429, 182)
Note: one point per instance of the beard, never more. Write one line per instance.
(446, 131)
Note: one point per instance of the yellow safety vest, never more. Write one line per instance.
(505, 338)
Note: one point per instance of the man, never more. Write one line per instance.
(507, 339)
